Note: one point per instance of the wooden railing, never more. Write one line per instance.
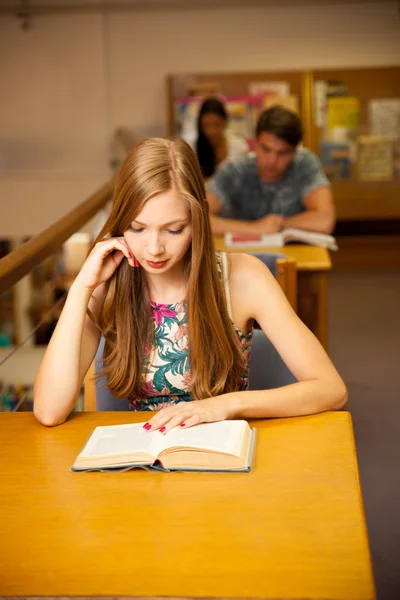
(21, 261)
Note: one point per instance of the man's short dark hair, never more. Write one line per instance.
(282, 123)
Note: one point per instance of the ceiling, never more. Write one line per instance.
(40, 6)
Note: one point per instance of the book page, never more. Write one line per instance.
(310, 237)
(223, 436)
(122, 439)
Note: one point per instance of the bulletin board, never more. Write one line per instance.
(357, 199)
(354, 199)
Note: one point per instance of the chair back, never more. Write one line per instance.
(284, 269)
(97, 396)
(267, 369)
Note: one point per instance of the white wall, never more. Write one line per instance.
(71, 79)
(53, 119)
(146, 46)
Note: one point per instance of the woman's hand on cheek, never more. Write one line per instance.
(132, 260)
(102, 262)
(187, 414)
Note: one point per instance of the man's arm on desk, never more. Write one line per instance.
(221, 225)
(220, 191)
(319, 214)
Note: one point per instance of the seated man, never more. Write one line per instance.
(278, 186)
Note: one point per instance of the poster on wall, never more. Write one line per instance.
(375, 158)
(396, 159)
(343, 118)
(384, 117)
(290, 102)
(322, 91)
(266, 88)
(335, 159)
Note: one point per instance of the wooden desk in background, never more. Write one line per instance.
(313, 264)
(293, 528)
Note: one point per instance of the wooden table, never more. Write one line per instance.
(293, 528)
(313, 264)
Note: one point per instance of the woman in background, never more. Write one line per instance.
(214, 145)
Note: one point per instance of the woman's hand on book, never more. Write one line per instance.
(103, 261)
(187, 414)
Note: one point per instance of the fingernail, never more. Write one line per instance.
(162, 429)
(182, 425)
(136, 263)
(130, 254)
(147, 426)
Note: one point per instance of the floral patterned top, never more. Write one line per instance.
(166, 365)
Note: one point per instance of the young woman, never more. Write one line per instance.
(214, 145)
(177, 317)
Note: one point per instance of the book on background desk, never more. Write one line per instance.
(278, 240)
(221, 446)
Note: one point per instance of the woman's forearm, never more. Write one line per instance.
(298, 399)
(59, 377)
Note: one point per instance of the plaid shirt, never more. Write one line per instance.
(244, 196)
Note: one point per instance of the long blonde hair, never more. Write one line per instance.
(216, 359)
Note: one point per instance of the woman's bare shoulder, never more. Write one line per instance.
(246, 267)
(249, 281)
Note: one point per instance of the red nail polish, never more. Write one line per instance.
(130, 254)
(162, 429)
(136, 263)
(146, 426)
(182, 425)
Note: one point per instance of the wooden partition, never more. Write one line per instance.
(355, 200)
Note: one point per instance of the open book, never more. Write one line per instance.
(221, 446)
(277, 240)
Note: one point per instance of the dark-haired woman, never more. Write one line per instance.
(214, 145)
